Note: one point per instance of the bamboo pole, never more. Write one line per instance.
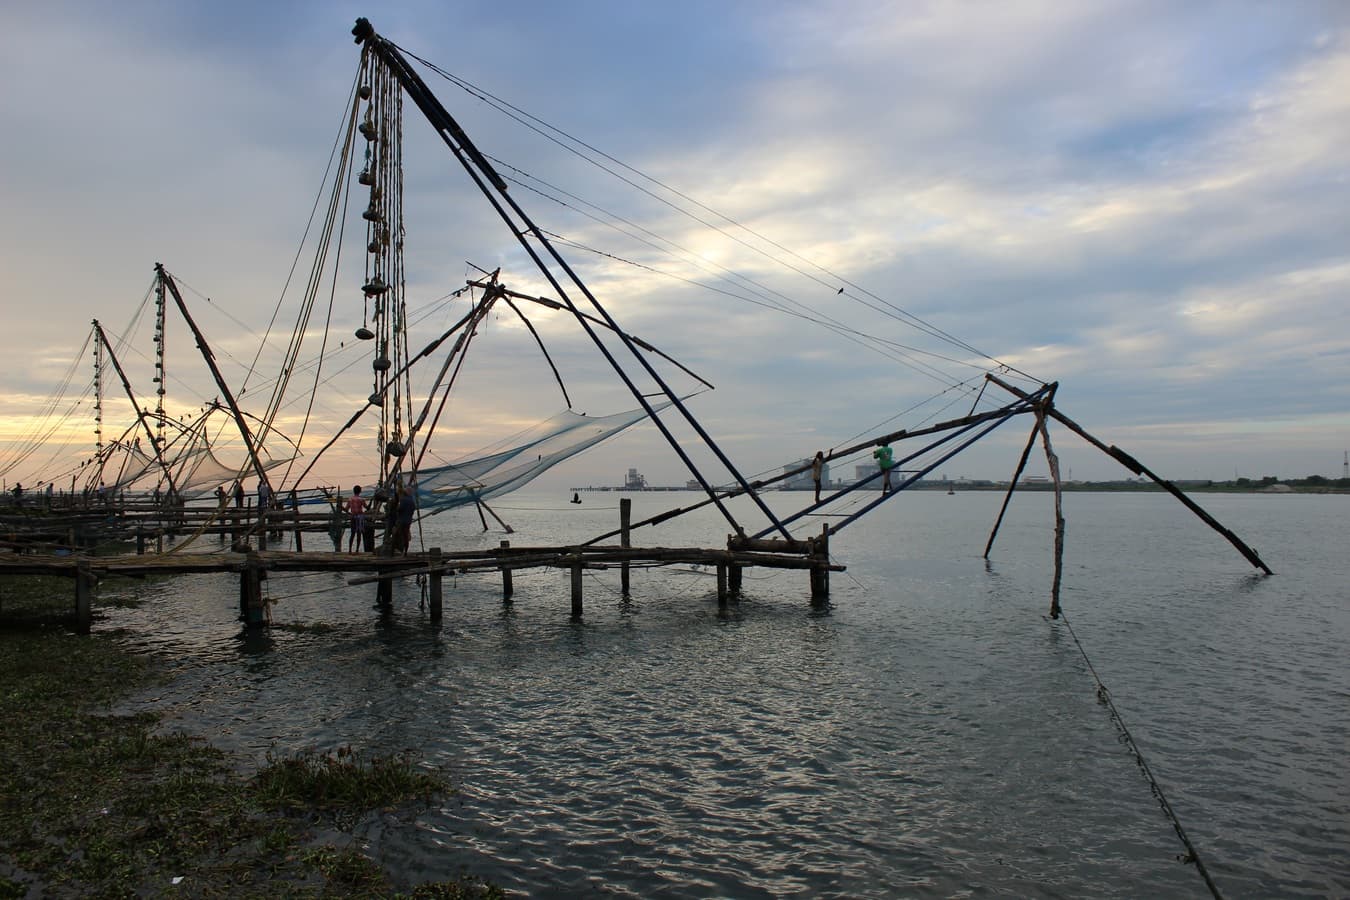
(434, 581)
(1012, 486)
(625, 539)
(1053, 461)
(576, 588)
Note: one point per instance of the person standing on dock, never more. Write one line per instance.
(817, 466)
(337, 521)
(356, 506)
(407, 511)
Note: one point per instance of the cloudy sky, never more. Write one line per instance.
(1146, 202)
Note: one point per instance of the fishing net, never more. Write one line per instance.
(496, 471)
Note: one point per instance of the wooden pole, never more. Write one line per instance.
(721, 585)
(1053, 462)
(436, 575)
(507, 528)
(86, 586)
(576, 589)
(508, 587)
(250, 592)
(820, 573)
(295, 507)
(384, 593)
(1012, 486)
(625, 539)
(734, 573)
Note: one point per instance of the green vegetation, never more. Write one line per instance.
(94, 803)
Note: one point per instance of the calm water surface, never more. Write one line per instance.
(931, 733)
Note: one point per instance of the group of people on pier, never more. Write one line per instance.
(357, 514)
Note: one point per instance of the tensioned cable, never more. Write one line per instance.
(323, 183)
(811, 314)
(874, 343)
(543, 128)
(1104, 697)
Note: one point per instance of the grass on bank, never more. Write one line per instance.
(98, 804)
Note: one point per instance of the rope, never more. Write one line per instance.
(1104, 697)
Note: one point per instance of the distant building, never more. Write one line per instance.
(635, 481)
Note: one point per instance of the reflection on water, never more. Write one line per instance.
(931, 732)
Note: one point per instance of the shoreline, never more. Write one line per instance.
(102, 803)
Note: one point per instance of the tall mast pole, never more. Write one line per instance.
(141, 416)
(98, 397)
(225, 392)
(159, 379)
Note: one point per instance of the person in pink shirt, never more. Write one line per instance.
(357, 507)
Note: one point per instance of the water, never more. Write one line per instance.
(930, 734)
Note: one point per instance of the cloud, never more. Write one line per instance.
(1145, 202)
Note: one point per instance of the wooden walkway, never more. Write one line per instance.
(253, 565)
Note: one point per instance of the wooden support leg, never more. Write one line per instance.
(625, 517)
(820, 573)
(384, 593)
(508, 588)
(1053, 461)
(86, 586)
(576, 590)
(435, 592)
(722, 585)
(734, 574)
(140, 541)
(250, 593)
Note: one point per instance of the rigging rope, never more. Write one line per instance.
(1104, 697)
(548, 132)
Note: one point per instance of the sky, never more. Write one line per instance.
(1145, 202)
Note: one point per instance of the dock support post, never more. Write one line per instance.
(820, 573)
(508, 587)
(86, 585)
(250, 592)
(299, 543)
(436, 576)
(734, 573)
(576, 589)
(625, 518)
(140, 541)
(721, 585)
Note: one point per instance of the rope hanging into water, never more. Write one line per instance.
(1104, 697)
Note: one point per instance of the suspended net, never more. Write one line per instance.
(197, 472)
(533, 452)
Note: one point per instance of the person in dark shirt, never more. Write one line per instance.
(407, 511)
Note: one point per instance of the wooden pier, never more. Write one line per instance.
(32, 552)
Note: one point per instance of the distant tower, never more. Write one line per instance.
(1345, 466)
